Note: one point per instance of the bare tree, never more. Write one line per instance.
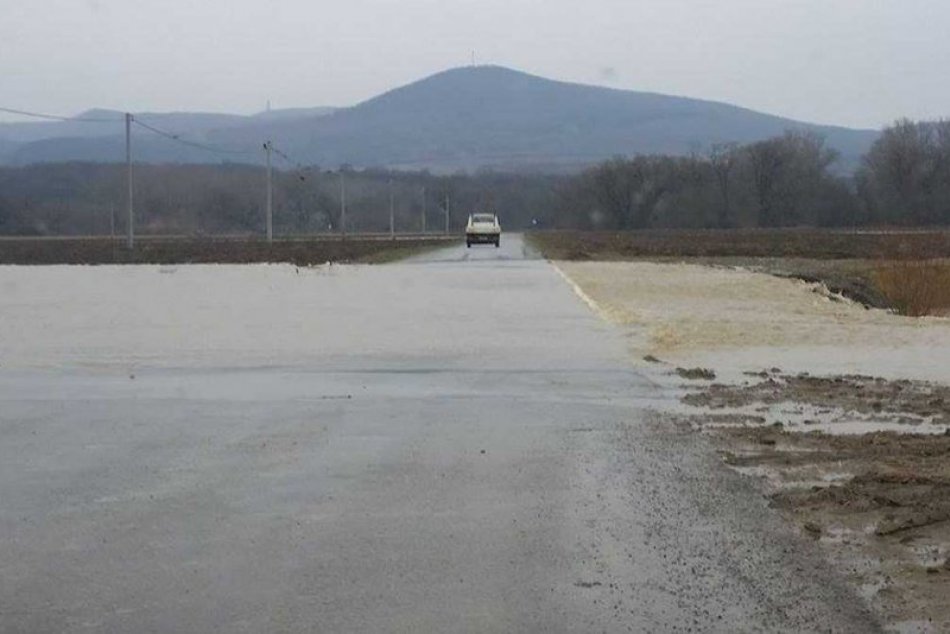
(766, 159)
(723, 158)
(614, 191)
(898, 166)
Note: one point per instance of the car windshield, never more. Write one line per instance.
(483, 218)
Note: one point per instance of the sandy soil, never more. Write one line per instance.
(734, 321)
(840, 412)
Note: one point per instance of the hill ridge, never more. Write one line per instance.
(468, 118)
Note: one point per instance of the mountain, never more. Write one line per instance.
(293, 113)
(467, 118)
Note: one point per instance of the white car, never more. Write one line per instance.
(482, 229)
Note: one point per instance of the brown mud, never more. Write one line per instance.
(878, 503)
(908, 401)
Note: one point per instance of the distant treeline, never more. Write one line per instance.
(789, 180)
(785, 181)
(90, 199)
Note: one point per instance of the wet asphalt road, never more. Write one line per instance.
(462, 447)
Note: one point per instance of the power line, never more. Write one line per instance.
(53, 117)
(290, 161)
(129, 119)
(164, 133)
(285, 157)
(177, 137)
(136, 120)
(301, 168)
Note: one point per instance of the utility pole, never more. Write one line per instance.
(392, 212)
(446, 214)
(112, 221)
(342, 203)
(424, 204)
(128, 166)
(270, 194)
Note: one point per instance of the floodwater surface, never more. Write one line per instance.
(453, 443)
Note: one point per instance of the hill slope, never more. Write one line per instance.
(488, 116)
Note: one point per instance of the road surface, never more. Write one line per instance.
(450, 444)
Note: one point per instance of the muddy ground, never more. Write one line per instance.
(855, 396)
(877, 502)
(840, 412)
(168, 250)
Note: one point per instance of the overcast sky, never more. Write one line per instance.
(849, 62)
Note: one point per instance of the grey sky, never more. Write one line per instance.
(849, 62)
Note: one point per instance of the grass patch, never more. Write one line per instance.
(914, 287)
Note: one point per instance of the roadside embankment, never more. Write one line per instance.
(840, 412)
(907, 271)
